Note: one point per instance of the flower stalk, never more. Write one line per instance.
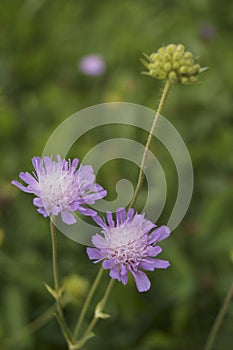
(163, 99)
(99, 314)
(87, 302)
(60, 314)
(219, 319)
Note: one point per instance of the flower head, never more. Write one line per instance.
(92, 65)
(173, 63)
(60, 188)
(128, 245)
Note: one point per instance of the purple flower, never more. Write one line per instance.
(128, 246)
(60, 188)
(207, 31)
(92, 65)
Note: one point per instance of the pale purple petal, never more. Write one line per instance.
(28, 178)
(124, 278)
(86, 211)
(130, 215)
(48, 163)
(36, 162)
(56, 210)
(153, 251)
(94, 254)
(21, 187)
(99, 241)
(161, 264)
(43, 211)
(111, 223)
(121, 216)
(159, 234)
(99, 221)
(74, 164)
(68, 217)
(115, 273)
(38, 202)
(108, 264)
(124, 274)
(92, 197)
(146, 265)
(150, 264)
(142, 281)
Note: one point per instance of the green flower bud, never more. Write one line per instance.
(180, 48)
(171, 48)
(184, 80)
(173, 63)
(172, 77)
(192, 79)
(183, 70)
(167, 67)
(75, 286)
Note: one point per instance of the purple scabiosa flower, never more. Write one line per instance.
(129, 245)
(60, 188)
(92, 65)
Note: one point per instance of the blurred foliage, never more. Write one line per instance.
(41, 43)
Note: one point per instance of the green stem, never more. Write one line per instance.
(95, 318)
(149, 140)
(60, 314)
(219, 318)
(87, 302)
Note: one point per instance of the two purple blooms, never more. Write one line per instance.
(127, 245)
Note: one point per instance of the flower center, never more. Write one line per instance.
(58, 188)
(126, 244)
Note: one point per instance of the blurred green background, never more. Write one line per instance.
(41, 44)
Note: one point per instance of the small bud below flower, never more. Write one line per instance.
(174, 64)
(75, 286)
